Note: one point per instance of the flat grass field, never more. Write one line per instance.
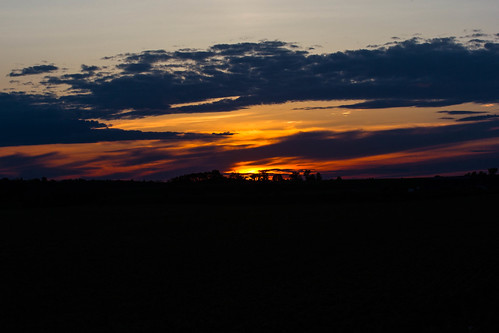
(337, 256)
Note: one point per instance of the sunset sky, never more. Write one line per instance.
(155, 89)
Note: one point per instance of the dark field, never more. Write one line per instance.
(335, 256)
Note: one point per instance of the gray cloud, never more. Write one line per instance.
(396, 103)
(85, 68)
(354, 144)
(461, 112)
(475, 115)
(36, 166)
(478, 118)
(421, 73)
(25, 120)
(415, 72)
(39, 69)
(325, 146)
(135, 67)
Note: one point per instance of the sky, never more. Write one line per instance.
(155, 89)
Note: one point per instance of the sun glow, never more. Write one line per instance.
(245, 144)
(291, 117)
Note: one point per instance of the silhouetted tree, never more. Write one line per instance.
(318, 176)
(236, 176)
(492, 171)
(308, 176)
(216, 175)
(263, 176)
(295, 176)
(277, 178)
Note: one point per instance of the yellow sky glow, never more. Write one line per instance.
(257, 126)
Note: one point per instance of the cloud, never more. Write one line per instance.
(25, 120)
(159, 162)
(39, 69)
(354, 144)
(429, 167)
(327, 146)
(461, 112)
(414, 72)
(474, 116)
(135, 68)
(36, 166)
(85, 68)
(146, 57)
(479, 118)
(397, 103)
(309, 108)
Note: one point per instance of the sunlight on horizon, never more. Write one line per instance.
(252, 128)
(295, 116)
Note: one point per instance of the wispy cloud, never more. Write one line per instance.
(397, 152)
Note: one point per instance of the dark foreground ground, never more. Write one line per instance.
(349, 256)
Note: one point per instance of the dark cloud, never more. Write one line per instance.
(25, 120)
(477, 34)
(479, 118)
(415, 72)
(437, 166)
(158, 163)
(354, 144)
(36, 166)
(482, 115)
(461, 112)
(309, 108)
(328, 146)
(222, 105)
(39, 69)
(223, 134)
(135, 68)
(147, 57)
(86, 68)
(396, 103)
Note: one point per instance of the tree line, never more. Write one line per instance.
(261, 176)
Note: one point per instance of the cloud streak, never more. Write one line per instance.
(397, 152)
